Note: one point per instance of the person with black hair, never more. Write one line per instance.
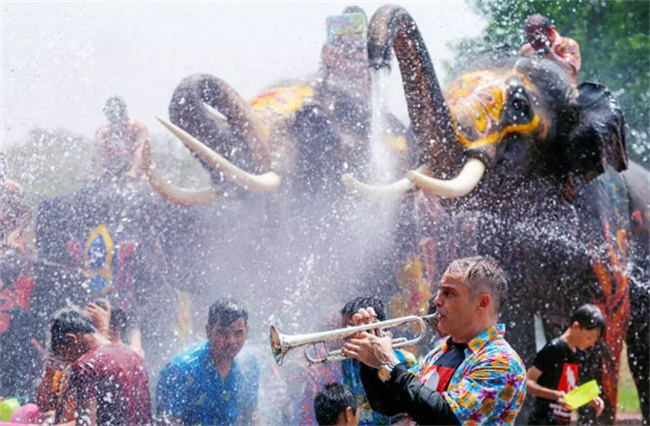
(107, 383)
(544, 40)
(214, 382)
(335, 404)
(555, 371)
(472, 377)
(351, 367)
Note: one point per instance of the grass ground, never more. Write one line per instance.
(628, 399)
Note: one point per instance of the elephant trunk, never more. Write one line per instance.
(392, 28)
(188, 111)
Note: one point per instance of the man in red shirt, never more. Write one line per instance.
(108, 383)
(545, 41)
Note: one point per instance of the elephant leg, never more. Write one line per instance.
(638, 347)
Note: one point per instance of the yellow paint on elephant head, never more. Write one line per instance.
(280, 103)
(477, 101)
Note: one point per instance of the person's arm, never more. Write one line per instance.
(402, 392)
(597, 404)
(534, 388)
(101, 318)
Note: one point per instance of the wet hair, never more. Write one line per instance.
(119, 320)
(353, 306)
(226, 311)
(537, 20)
(482, 274)
(115, 106)
(356, 9)
(331, 401)
(65, 321)
(589, 317)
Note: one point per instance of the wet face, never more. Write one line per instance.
(586, 339)
(77, 345)
(455, 305)
(539, 36)
(227, 340)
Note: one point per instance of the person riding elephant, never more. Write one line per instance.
(520, 165)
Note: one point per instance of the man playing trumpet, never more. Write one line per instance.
(472, 377)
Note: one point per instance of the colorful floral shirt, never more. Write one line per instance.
(489, 386)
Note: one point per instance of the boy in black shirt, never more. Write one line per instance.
(555, 370)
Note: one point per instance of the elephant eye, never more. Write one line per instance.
(520, 104)
(520, 109)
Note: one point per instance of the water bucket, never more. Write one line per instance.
(7, 408)
(582, 395)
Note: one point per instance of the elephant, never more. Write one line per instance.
(114, 238)
(517, 164)
(275, 164)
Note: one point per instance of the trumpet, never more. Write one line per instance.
(281, 343)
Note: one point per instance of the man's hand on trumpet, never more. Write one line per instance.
(370, 349)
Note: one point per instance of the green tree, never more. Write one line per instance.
(54, 162)
(614, 38)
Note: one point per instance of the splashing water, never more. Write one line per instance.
(382, 163)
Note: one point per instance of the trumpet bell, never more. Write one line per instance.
(276, 345)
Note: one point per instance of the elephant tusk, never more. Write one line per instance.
(172, 193)
(461, 185)
(180, 196)
(394, 189)
(265, 182)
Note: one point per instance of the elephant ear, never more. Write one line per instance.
(598, 140)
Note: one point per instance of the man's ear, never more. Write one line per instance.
(72, 337)
(347, 416)
(484, 300)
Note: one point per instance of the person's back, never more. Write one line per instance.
(117, 378)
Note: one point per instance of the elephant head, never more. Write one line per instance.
(253, 144)
(241, 136)
(503, 121)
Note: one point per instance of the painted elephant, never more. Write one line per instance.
(519, 165)
(291, 145)
(115, 238)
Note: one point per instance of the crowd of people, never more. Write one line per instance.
(473, 376)
(95, 370)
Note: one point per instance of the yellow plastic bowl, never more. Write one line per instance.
(582, 395)
(7, 408)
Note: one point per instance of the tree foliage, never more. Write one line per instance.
(54, 162)
(614, 38)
